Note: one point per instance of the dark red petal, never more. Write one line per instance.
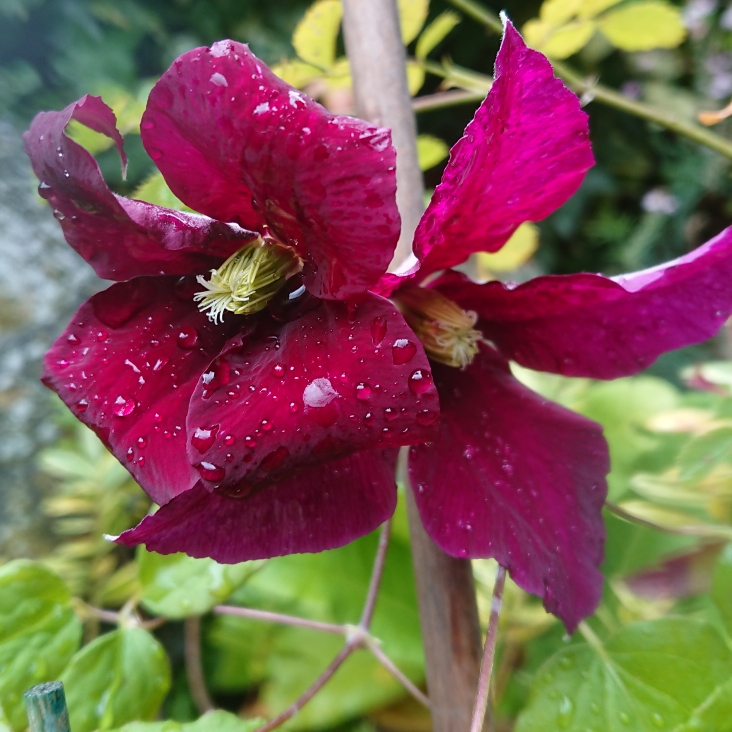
(341, 378)
(120, 238)
(589, 325)
(515, 477)
(238, 144)
(321, 508)
(523, 155)
(126, 366)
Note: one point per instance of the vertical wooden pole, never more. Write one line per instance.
(445, 587)
(46, 707)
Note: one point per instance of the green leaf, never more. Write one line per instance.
(296, 73)
(591, 8)
(435, 32)
(703, 453)
(430, 151)
(415, 76)
(559, 11)
(39, 633)
(178, 586)
(412, 15)
(155, 190)
(667, 674)
(643, 26)
(120, 677)
(568, 39)
(316, 34)
(722, 586)
(217, 721)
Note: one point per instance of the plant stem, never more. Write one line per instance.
(389, 665)
(708, 532)
(441, 100)
(376, 574)
(194, 670)
(605, 95)
(247, 612)
(489, 652)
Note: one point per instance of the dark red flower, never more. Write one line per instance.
(510, 474)
(269, 425)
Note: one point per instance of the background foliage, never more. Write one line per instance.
(656, 656)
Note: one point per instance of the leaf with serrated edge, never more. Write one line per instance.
(120, 677)
(643, 26)
(667, 674)
(39, 632)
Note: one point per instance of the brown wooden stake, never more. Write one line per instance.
(445, 587)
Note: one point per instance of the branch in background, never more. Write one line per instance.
(592, 91)
(440, 100)
(194, 669)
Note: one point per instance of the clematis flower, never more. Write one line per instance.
(512, 475)
(239, 367)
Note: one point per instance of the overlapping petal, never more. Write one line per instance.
(341, 378)
(127, 365)
(238, 144)
(523, 155)
(321, 508)
(589, 325)
(119, 237)
(518, 478)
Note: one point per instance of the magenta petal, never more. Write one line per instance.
(120, 238)
(321, 508)
(523, 155)
(518, 478)
(341, 378)
(126, 366)
(589, 325)
(238, 144)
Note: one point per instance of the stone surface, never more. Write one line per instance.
(42, 282)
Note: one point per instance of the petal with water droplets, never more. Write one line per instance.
(309, 391)
(515, 477)
(256, 151)
(320, 508)
(120, 369)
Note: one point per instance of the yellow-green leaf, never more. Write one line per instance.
(430, 151)
(415, 76)
(644, 25)
(296, 73)
(591, 8)
(155, 190)
(536, 32)
(515, 252)
(559, 11)
(412, 15)
(316, 34)
(435, 32)
(339, 75)
(568, 39)
(94, 142)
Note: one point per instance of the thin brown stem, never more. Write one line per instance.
(247, 612)
(319, 683)
(389, 665)
(441, 100)
(489, 652)
(376, 574)
(194, 669)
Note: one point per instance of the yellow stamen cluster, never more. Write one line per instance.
(446, 331)
(247, 280)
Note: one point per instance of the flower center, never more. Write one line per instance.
(447, 331)
(247, 280)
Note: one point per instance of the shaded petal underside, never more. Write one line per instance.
(120, 238)
(522, 156)
(339, 379)
(317, 509)
(126, 366)
(239, 144)
(518, 478)
(594, 326)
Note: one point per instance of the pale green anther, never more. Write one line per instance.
(247, 280)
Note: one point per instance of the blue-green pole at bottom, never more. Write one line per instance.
(46, 706)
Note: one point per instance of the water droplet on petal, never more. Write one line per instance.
(188, 338)
(427, 417)
(390, 414)
(155, 154)
(420, 381)
(368, 418)
(266, 425)
(123, 407)
(204, 438)
(211, 472)
(363, 391)
(73, 340)
(250, 442)
(278, 370)
(293, 407)
(402, 351)
(229, 440)
(81, 405)
(378, 329)
(142, 442)
(101, 336)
